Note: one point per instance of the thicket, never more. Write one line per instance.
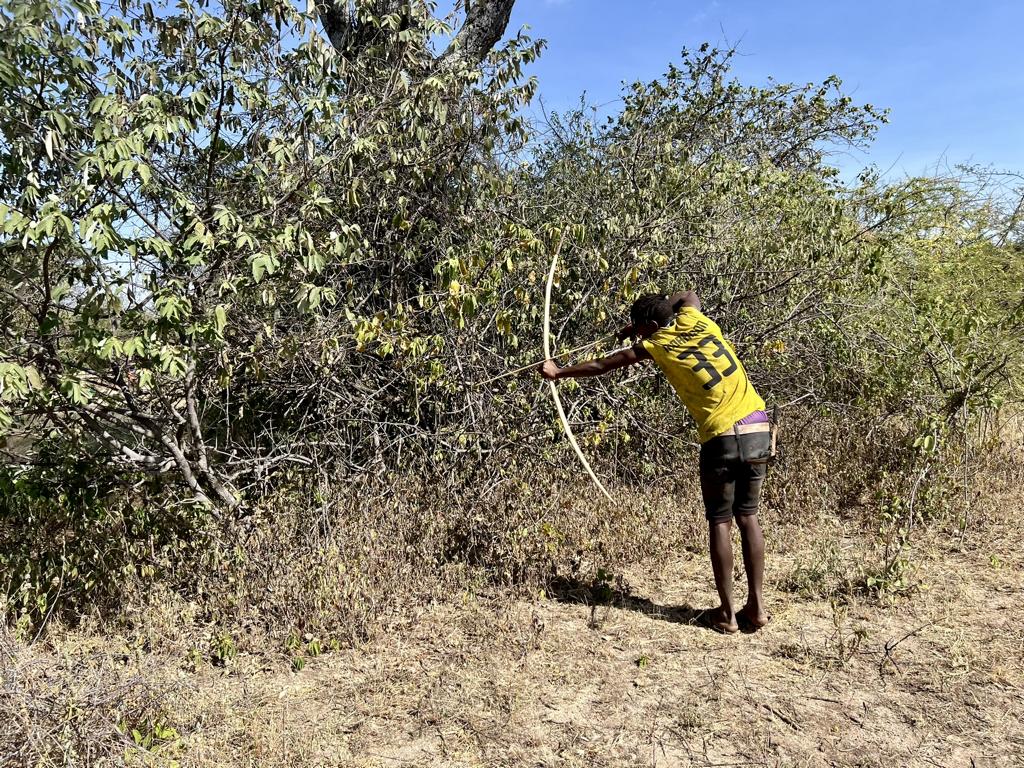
(251, 291)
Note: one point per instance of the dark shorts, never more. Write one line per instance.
(730, 487)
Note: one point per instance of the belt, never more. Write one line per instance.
(745, 429)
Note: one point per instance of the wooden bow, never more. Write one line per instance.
(554, 390)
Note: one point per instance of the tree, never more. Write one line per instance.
(192, 205)
(375, 27)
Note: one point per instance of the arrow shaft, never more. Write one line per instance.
(573, 351)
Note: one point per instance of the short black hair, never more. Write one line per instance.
(651, 308)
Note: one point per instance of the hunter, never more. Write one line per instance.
(732, 427)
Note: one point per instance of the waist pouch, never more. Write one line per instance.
(756, 442)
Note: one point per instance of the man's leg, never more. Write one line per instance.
(753, 563)
(723, 618)
(748, 499)
(718, 488)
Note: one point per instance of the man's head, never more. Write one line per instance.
(649, 313)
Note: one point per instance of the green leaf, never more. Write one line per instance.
(220, 319)
(259, 267)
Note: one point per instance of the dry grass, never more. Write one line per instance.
(446, 652)
(493, 678)
(76, 705)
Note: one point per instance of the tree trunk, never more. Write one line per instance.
(483, 27)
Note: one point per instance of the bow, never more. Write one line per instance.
(554, 390)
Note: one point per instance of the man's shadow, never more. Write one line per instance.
(601, 593)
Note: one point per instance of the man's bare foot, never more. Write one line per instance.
(720, 620)
(754, 618)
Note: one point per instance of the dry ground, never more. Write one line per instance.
(935, 678)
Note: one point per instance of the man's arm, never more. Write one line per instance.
(549, 369)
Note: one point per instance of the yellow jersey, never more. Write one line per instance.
(704, 371)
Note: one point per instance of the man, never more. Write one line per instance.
(731, 424)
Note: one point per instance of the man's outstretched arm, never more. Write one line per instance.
(549, 369)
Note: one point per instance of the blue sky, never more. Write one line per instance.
(952, 73)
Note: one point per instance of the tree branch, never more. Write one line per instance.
(483, 27)
(485, 23)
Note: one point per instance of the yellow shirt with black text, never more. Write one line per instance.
(704, 371)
